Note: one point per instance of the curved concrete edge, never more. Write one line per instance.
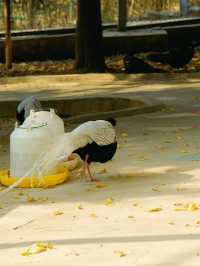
(115, 114)
(8, 109)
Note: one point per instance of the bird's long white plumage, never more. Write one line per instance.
(100, 131)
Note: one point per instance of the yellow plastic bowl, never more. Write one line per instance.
(61, 176)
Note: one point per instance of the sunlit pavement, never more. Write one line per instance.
(145, 211)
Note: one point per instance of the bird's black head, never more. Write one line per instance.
(20, 116)
(112, 121)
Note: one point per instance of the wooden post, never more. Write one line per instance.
(8, 40)
(184, 6)
(122, 14)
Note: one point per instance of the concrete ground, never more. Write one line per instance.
(139, 214)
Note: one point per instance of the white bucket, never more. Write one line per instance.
(32, 138)
(26, 144)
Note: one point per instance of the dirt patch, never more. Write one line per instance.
(114, 65)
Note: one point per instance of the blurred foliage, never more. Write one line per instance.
(60, 13)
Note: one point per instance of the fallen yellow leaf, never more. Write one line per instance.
(30, 199)
(198, 222)
(79, 206)
(179, 209)
(188, 207)
(109, 201)
(37, 248)
(120, 253)
(155, 210)
(156, 189)
(192, 207)
(188, 225)
(58, 213)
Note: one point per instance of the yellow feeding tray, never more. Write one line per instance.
(61, 176)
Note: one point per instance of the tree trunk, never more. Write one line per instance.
(8, 40)
(89, 48)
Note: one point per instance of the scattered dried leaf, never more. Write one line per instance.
(192, 207)
(109, 202)
(56, 213)
(179, 209)
(120, 253)
(155, 210)
(188, 207)
(79, 206)
(30, 199)
(188, 225)
(156, 189)
(37, 248)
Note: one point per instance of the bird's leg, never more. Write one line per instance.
(85, 169)
(88, 169)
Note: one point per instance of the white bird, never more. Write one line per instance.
(93, 141)
(97, 142)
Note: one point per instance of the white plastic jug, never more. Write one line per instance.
(26, 144)
(53, 121)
